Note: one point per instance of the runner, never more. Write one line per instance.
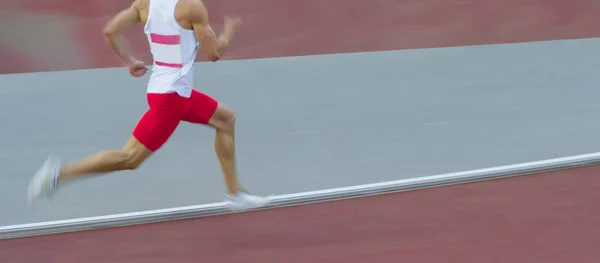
(175, 30)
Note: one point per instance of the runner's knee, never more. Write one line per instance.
(131, 164)
(230, 122)
(128, 160)
(225, 131)
(224, 120)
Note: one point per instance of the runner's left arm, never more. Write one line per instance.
(112, 32)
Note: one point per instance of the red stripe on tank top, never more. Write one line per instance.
(165, 39)
(171, 65)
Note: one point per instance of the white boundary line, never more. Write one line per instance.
(160, 215)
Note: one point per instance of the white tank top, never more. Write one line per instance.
(173, 50)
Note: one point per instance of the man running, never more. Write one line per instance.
(173, 29)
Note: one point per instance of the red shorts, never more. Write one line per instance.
(165, 113)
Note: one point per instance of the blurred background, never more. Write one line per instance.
(43, 35)
(453, 85)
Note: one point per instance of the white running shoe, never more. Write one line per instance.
(243, 201)
(44, 182)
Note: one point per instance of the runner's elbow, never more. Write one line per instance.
(213, 57)
(211, 53)
(109, 31)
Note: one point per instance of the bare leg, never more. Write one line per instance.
(154, 128)
(53, 173)
(223, 120)
(224, 123)
(128, 158)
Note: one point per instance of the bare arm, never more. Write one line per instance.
(212, 46)
(112, 33)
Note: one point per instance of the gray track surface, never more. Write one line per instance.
(307, 123)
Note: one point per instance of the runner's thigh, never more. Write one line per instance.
(202, 108)
(160, 121)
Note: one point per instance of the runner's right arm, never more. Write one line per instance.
(212, 46)
(112, 32)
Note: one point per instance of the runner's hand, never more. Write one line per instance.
(137, 69)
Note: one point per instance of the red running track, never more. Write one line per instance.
(48, 35)
(543, 218)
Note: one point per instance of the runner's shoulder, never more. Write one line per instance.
(140, 4)
(191, 3)
(192, 9)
